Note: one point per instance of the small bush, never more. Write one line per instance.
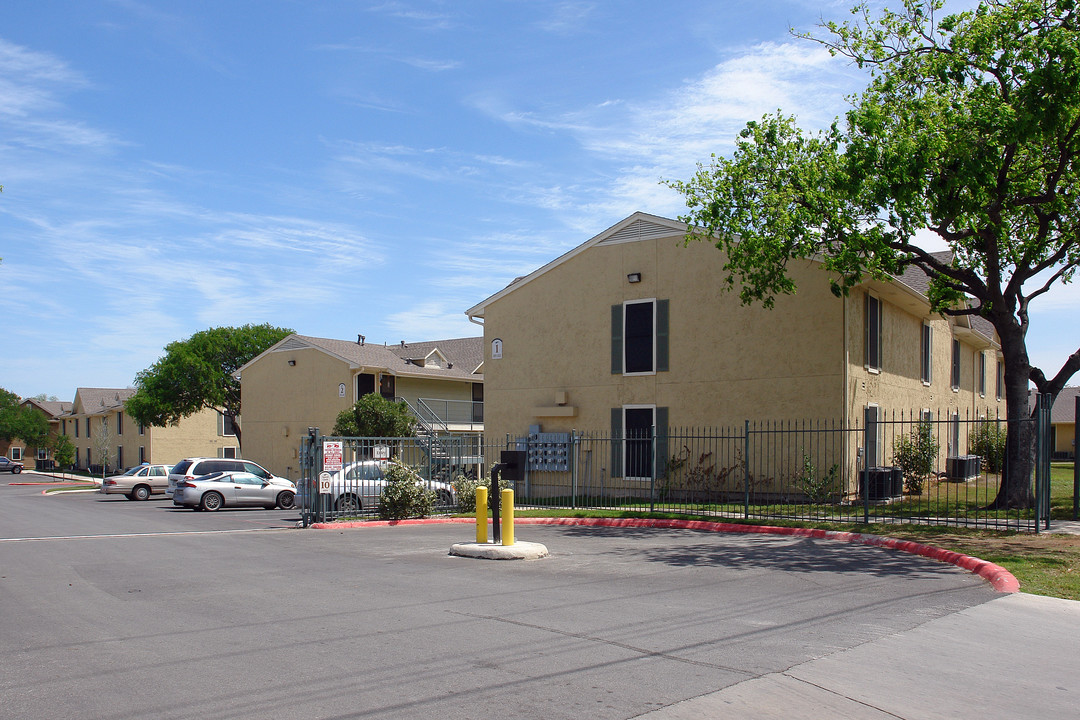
(465, 488)
(988, 440)
(818, 488)
(916, 454)
(404, 495)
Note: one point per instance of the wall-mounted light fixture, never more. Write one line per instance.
(292, 362)
(634, 277)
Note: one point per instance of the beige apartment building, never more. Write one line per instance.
(631, 330)
(40, 458)
(305, 382)
(103, 433)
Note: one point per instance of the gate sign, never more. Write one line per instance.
(326, 483)
(331, 455)
(382, 452)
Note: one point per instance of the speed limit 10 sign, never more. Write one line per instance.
(325, 481)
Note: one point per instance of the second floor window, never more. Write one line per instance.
(927, 362)
(873, 333)
(955, 380)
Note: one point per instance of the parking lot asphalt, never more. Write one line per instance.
(134, 610)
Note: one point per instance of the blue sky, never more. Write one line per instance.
(356, 167)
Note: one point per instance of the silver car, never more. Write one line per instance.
(234, 489)
(138, 483)
(357, 487)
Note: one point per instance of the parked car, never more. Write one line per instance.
(9, 465)
(357, 487)
(191, 468)
(138, 483)
(234, 489)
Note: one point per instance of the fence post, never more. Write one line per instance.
(1076, 460)
(746, 470)
(652, 471)
(866, 465)
(573, 469)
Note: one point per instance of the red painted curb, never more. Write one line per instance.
(1001, 579)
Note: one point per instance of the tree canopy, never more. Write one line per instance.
(374, 416)
(968, 129)
(198, 374)
(19, 421)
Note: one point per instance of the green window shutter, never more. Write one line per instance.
(662, 453)
(616, 442)
(616, 340)
(661, 337)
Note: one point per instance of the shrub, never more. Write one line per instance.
(374, 416)
(818, 488)
(916, 454)
(988, 440)
(404, 495)
(465, 488)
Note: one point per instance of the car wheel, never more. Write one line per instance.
(16, 470)
(349, 504)
(285, 500)
(445, 499)
(211, 501)
(140, 492)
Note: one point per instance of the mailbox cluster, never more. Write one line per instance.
(549, 452)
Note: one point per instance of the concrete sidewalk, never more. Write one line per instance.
(1015, 656)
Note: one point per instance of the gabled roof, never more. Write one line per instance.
(1064, 409)
(463, 356)
(639, 226)
(92, 401)
(51, 408)
(643, 226)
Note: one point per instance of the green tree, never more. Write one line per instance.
(22, 422)
(199, 374)
(374, 416)
(968, 128)
(63, 451)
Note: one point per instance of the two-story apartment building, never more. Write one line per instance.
(305, 381)
(631, 331)
(103, 433)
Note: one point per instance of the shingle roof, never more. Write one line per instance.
(96, 400)
(1064, 410)
(463, 355)
(915, 278)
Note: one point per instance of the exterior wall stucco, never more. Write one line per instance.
(727, 362)
(196, 435)
(282, 401)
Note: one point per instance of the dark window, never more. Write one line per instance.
(365, 384)
(119, 431)
(927, 354)
(63, 427)
(955, 364)
(119, 456)
(142, 454)
(387, 386)
(873, 333)
(478, 402)
(87, 427)
(76, 427)
(228, 452)
(228, 425)
(982, 374)
(142, 429)
(639, 433)
(1000, 379)
(639, 346)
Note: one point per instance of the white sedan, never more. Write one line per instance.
(234, 489)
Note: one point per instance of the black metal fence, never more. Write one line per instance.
(934, 468)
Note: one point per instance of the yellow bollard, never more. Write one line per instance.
(507, 517)
(481, 514)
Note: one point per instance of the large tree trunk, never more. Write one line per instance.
(1015, 491)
